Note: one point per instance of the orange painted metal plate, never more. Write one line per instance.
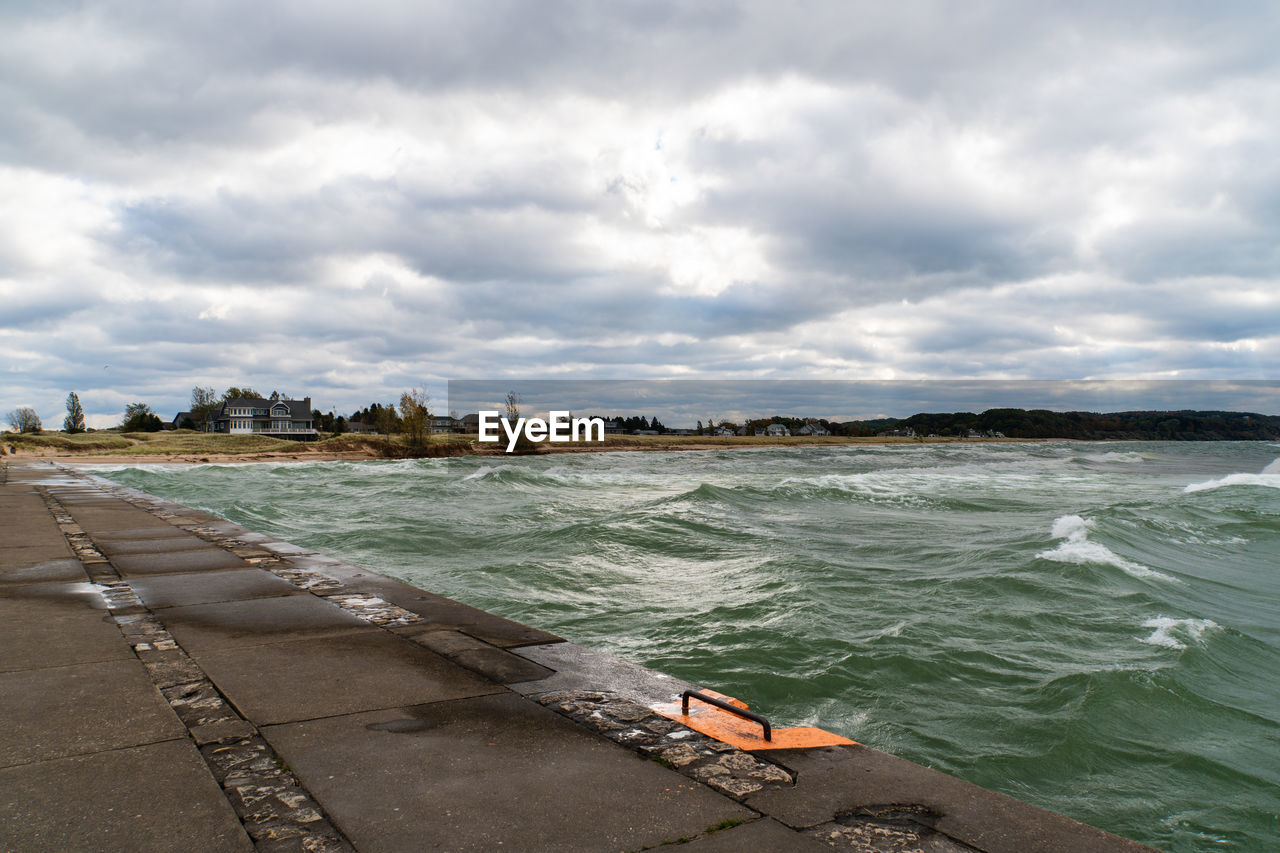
(744, 734)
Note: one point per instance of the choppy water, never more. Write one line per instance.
(1092, 628)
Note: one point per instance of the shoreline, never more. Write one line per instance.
(662, 444)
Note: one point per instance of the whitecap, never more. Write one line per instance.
(1174, 633)
(482, 472)
(1077, 548)
(1269, 477)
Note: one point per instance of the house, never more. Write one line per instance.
(181, 418)
(908, 432)
(256, 416)
(360, 428)
(723, 431)
(777, 430)
(444, 423)
(813, 429)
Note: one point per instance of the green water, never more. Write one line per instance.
(1092, 628)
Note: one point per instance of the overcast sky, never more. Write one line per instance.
(345, 200)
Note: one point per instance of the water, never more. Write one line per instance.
(1092, 628)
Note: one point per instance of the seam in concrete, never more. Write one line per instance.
(276, 811)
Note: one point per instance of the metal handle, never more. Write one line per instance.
(724, 706)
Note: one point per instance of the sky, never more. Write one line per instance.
(344, 201)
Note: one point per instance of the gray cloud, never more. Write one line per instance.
(337, 200)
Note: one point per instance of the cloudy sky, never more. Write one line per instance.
(345, 200)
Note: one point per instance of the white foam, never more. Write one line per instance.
(1168, 630)
(482, 472)
(1077, 548)
(1269, 478)
(1117, 456)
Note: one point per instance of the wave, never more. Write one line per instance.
(1117, 456)
(1174, 633)
(1269, 478)
(1077, 548)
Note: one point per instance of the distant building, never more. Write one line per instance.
(178, 419)
(723, 431)
(813, 429)
(256, 416)
(777, 430)
(444, 423)
(360, 428)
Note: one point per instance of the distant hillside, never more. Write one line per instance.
(1041, 423)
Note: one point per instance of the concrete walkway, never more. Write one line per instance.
(172, 681)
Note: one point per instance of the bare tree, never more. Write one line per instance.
(25, 419)
(203, 403)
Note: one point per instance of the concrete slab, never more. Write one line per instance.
(43, 545)
(842, 780)
(168, 801)
(496, 772)
(153, 545)
(61, 711)
(158, 530)
(158, 591)
(495, 664)
(321, 677)
(758, 836)
(436, 610)
(580, 668)
(21, 572)
(56, 624)
(257, 622)
(208, 559)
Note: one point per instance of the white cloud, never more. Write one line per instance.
(343, 202)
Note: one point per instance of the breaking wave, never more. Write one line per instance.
(1269, 478)
(1076, 547)
(1174, 633)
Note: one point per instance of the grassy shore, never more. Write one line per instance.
(190, 446)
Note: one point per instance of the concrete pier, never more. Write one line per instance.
(172, 681)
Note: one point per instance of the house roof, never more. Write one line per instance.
(297, 408)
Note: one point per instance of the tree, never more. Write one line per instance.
(138, 417)
(415, 421)
(203, 403)
(25, 419)
(74, 421)
(512, 408)
(245, 393)
(385, 418)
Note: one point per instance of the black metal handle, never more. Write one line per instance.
(725, 706)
